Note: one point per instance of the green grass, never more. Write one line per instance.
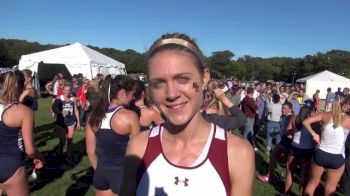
(63, 180)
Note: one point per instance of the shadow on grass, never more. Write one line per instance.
(83, 180)
(55, 165)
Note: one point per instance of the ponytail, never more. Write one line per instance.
(99, 112)
(12, 86)
(337, 112)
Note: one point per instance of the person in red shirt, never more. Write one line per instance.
(82, 101)
(249, 108)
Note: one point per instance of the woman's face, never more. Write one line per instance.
(129, 96)
(67, 91)
(286, 110)
(176, 85)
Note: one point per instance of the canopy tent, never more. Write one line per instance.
(77, 58)
(323, 80)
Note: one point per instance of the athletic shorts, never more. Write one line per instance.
(299, 153)
(8, 166)
(286, 142)
(108, 178)
(69, 121)
(328, 160)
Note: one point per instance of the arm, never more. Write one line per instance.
(307, 124)
(134, 123)
(56, 106)
(76, 113)
(27, 134)
(133, 159)
(291, 125)
(90, 142)
(241, 166)
(252, 104)
(157, 118)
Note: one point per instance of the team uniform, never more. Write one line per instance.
(110, 150)
(331, 153)
(302, 144)
(62, 105)
(11, 148)
(208, 175)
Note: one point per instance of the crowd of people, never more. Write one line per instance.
(179, 134)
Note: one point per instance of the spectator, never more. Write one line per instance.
(249, 108)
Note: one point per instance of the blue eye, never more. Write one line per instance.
(183, 79)
(156, 84)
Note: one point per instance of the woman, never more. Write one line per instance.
(147, 115)
(178, 157)
(302, 147)
(67, 117)
(82, 100)
(15, 119)
(317, 100)
(211, 104)
(108, 131)
(280, 152)
(274, 113)
(29, 96)
(331, 151)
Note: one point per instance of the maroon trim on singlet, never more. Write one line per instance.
(153, 149)
(219, 158)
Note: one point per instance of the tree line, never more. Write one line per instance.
(222, 63)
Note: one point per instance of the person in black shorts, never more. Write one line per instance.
(15, 119)
(66, 110)
(108, 131)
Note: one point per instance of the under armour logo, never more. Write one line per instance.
(181, 181)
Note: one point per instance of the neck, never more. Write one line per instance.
(115, 103)
(196, 129)
(139, 103)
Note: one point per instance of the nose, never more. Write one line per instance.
(172, 92)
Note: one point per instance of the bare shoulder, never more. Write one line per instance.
(239, 149)
(138, 144)
(126, 114)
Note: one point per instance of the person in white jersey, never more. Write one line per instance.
(186, 155)
(330, 155)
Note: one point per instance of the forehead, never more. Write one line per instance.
(171, 62)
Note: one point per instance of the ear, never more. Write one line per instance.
(206, 77)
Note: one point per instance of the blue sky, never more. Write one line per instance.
(262, 28)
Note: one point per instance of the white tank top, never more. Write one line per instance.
(333, 140)
(209, 175)
(303, 139)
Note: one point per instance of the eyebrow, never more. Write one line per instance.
(173, 77)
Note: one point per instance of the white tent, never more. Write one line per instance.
(323, 80)
(77, 58)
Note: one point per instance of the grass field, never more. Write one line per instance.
(60, 179)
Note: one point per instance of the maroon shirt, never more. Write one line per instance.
(249, 107)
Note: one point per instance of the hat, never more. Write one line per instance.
(308, 103)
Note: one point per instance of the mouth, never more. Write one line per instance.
(176, 107)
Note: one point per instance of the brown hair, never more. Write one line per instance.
(181, 42)
(12, 86)
(210, 101)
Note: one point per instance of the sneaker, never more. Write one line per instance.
(264, 178)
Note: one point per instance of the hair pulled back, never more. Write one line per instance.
(111, 85)
(180, 42)
(12, 85)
